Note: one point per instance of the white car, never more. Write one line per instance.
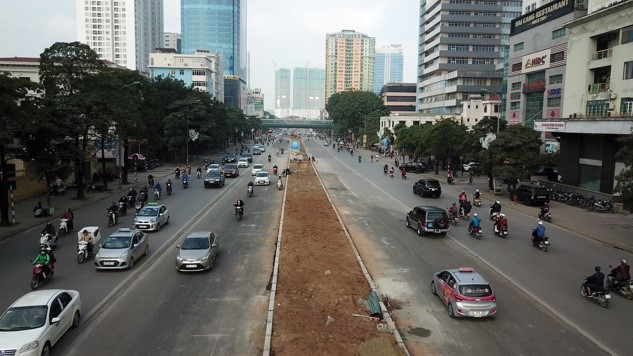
(262, 178)
(262, 148)
(256, 168)
(242, 162)
(34, 323)
(215, 167)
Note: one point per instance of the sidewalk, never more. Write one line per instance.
(615, 230)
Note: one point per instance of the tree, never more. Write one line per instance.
(351, 111)
(516, 153)
(445, 140)
(473, 148)
(624, 186)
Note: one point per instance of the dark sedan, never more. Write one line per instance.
(231, 170)
(229, 159)
(214, 178)
(417, 167)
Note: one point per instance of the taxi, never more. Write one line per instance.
(465, 293)
(151, 217)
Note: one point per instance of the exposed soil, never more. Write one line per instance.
(319, 302)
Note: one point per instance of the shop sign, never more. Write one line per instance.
(554, 92)
(514, 117)
(540, 15)
(532, 87)
(515, 96)
(549, 125)
(535, 61)
(553, 113)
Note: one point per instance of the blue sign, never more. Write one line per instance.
(294, 145)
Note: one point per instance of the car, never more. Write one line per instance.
(465, 292)
(151, 217)
(262, 178)
(256, 168)
(417, 167)
(428, 219)
(325, 143)
(471, 166)
(531, 195)
(243, 162)
(248, 156)
(257, 152)
(262, 148)
(427, 187)
(214, 178)
(197, 252)
(36, 321)
(121, 249)
(256, 147)
(231, 170)
(215, 167)
(229, 158)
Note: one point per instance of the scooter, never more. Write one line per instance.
(156, 194)
(602, 296)
(122, 208)
(239, 212)
(503, 232)
(450, 180)
(477, 202)
(624, 288)
(494, 215)
(385, 169)
(280, 184)
(139, 205)
(475, 231)
(63, 226)
(404, 175)
(199, 174)
(111, 218)
(543, 243)
(48, 240)
(390, 174)
(168, 187)
(185, 182)
(82, 252)
(39, 277)
(250, 191)
(545, 217)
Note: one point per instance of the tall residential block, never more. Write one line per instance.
(124, 32)
(349, 62)
(462, 46)
(389, 66)
(172, 40)
(282, 92)
(308, 91)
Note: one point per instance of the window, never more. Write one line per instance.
(480, 48)
(628, 70)
(627, 35)
(556, 79)
(516, 86)
(558, 33)
(557, 57)
(182, 72)
(518, 47)
(516, 67)
(553, 102)
(454, 60)
(626, 105)
(458, 47)
(515, 105)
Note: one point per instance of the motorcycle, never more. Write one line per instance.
(250, 191)
(111, 218)
(130, 201)
(168, 188)
(477, 201)
(280, 184)
(269, 158)
(475, 231)
(543, 243)
(501, 232)
(156, 194)
(390, 174)
(185, 182)
(545, 217)
(143, 196)
(450, 180)
(453, 218)
(199, 174)
(63, 226)
(404, 175)
(150, 181)
(603, 206)
(139, 205)
(385, 169)
(39, 277)
(494, 215)
(177, 173)
(602, 296)
(82, 252)
(239, 212)
(48, 240)
(623, 288)
(122, 208)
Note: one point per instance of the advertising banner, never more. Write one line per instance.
(514, 117)
(549, 125)
(535, 61)
(541, 15)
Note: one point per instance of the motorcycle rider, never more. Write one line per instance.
(538, 233)
(250, 185)
(113, 209)
(87, 237)
(501, 222)
(70, 216)
(452, 211)
(239, 202)
(43, 259)
(595, 281)
(199, 171)
(131, 193)
(150, 180)
(168, 184)
(449, 178)
(403, 172)
(269, 157)
(49, 229)
(495, 208)
(477, 195)
(144, 193)
(462, 197)
(621, 273)
(475, 222)
(391, 170)
(159, 189)
(123, 203)
(177, 172)
(465, 208)
(544, 210)
(385, 168)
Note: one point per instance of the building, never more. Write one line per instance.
(531, 5)
(308, 92)
(282, 92)
(202, 70)
(255, 103)
(389, 123)
(124, 32)
(475, 109)
(399, 98)
(461, 45)
(349, 62)
(388, 66)
(172, 40)
(537, 61)
(597, 96)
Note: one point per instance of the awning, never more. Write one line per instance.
(136, 156)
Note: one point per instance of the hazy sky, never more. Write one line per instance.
(281, 33)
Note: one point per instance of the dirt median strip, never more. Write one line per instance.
(320, 283)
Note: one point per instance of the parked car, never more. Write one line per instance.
(428, 219)
(427, 187)
(474, 166)
(231, 170)
(531, 195)
(465, 292)
(121, 249)
(151, 217)
(197, 252)
(34, 323)
(417, 167)
(214, 178)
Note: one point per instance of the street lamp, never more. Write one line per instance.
(189, 135)
(500, 99)
(122, 173)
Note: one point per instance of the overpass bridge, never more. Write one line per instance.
(297, 124)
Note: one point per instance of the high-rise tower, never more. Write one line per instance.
(308, 91)
(349, 62)
(389, 66)
(124, 32)
(282, 92)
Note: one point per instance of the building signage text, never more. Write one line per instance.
(543, 14)
(515, 96)
(549, 125)
(533, 86)
(535, 61)
(554, 92)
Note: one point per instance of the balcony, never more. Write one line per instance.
(600, 58)
(598, 88)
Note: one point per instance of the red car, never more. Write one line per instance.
(465, 293)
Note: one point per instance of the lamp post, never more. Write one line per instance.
(189, 134)
(500, 99)
(122, 169)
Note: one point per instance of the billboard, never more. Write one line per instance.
(541, 15)
(535, 61)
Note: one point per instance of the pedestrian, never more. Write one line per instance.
(135, 176)
(470, 177)
(515, 198)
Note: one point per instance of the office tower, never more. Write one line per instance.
(349, 62)
(124, 32)
(308, 91)
(282, 92)
(388, 67)
(462, 45)
(172, 40)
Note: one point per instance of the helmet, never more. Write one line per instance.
(623, 261)
(497, 202)
(49, 224)
(597, 268)
(502, 215)
(477, 190)
(540, 223)
(545, 203)
(463, 191)
(43, 251)
(131, 189)
(475, 214)
(85, 231)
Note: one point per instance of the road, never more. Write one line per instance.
(540, 309)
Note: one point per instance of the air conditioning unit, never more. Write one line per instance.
(613, 95)
(610, 105)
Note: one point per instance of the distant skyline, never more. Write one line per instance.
(281, 33)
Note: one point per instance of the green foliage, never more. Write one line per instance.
(624, 186)
(355, 112)
(446, 139)
(516, 152)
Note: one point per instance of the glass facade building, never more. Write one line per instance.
(388, 66)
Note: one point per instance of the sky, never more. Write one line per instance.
(281, 33)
